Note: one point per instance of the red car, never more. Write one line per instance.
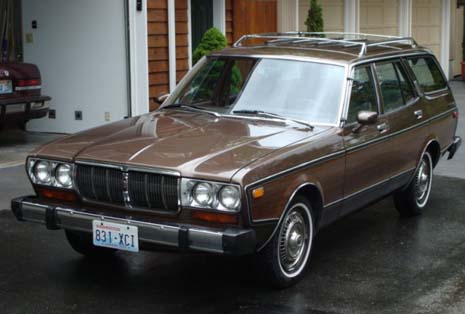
(20, 94)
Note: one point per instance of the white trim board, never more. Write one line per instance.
(138, 58)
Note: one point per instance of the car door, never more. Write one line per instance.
(404, 116)
(367, 156)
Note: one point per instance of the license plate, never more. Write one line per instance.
(115, 236)
(6, 87)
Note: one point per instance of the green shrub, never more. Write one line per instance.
(314, 20)
(212, 40)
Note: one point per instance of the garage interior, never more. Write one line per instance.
(81, 49)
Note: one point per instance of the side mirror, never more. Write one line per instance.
(160, 99)
(365, 118)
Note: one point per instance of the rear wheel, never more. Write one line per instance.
(411, 200)
(285, 257)
(81, 242)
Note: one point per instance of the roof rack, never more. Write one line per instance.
(347, 40)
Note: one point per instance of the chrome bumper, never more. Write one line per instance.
(454, 147)
(229, 241)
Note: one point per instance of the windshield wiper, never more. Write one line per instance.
(273, 115)
(190, 108)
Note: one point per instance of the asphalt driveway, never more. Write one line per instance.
(370, 262)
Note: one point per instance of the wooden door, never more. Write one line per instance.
(254, 16)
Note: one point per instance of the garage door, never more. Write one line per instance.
(80, 48)
(426, 24)
(379, 17)
(333, 14)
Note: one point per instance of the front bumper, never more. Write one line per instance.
(454, 147)
(230, 241)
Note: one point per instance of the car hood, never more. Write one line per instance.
(194, 144)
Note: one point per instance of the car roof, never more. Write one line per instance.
(335, 48)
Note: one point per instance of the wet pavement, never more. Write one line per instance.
(370, 262)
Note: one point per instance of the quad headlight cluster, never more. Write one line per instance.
(210, 195)
(51, 173)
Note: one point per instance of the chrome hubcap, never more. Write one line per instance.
(293, 242)
(423, 182)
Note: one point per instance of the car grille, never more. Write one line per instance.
(148, 191)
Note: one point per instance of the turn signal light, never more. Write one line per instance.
(259, 192)
(215, 217)
(455, 114)
(57, 194)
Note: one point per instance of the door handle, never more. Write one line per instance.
(383, 127)
(418, 114)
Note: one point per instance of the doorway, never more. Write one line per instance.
(201, 19)
(10, 31)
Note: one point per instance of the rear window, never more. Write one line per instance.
(428, 74)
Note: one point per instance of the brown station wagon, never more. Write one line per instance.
(258, 148)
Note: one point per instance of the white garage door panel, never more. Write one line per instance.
(426, 24)
(80, 48)
(379, 17)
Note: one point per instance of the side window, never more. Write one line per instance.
(396, 90)
(405, 86)
(428, 74)
(363, 95)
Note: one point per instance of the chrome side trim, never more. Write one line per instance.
(299, 166)
(388, 136)
(367, 188)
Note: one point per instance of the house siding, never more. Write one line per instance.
(229, 22)
(182, 41)
(157, 19)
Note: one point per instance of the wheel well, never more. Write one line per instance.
(435, 150)
(313, 195)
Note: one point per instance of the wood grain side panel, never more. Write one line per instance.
(327, 176)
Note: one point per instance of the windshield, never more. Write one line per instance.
(301, 90)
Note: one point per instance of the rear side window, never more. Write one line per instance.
(395, 88)
(428, 74)
(363, 95)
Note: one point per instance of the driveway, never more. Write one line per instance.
(371, 262)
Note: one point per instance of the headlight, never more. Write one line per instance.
(203, 193)
(43, 172)
(210, 195)
(50, 173)
(229, 197)
(63, 175)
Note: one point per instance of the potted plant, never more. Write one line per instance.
(212, 40)
(314, 20)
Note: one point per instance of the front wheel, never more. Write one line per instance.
(412, 200)
(285, 257)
